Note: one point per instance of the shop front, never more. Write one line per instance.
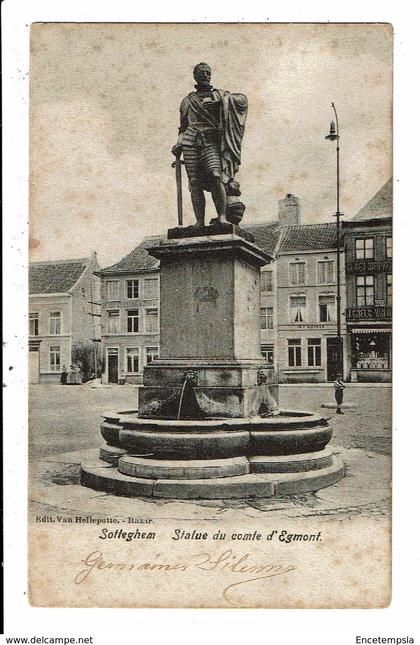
(371, 354)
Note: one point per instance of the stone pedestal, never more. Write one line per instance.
(210, 325)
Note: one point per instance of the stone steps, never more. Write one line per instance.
(103, 477)
(291, 463)
(188, 469)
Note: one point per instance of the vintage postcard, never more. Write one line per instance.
(210, 315)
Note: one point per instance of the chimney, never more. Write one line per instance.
(289, 211)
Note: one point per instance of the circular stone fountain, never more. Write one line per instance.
(208, 425)
(214, 458)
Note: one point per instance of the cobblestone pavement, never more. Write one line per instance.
(66, 418)
(367, 425)
(64, 422)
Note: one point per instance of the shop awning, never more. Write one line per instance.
(373, 330)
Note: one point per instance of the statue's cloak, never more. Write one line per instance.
(233, 116)
(233, 112)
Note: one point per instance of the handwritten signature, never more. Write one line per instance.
(227, 561)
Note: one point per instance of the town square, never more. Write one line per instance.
(364, 430)
(210, 352)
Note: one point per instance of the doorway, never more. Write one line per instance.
(334, 357)
(112, 365)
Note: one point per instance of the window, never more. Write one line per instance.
(55, 323)
(55, 358)
(371, 351)
(112, 290)
(268, 353)
(113, 322)
(266, 317)
(151, 288)
(314, 352)
(298, 308)
(297, 273)
(132, 321)
(295, 352)
(151, 322)
(132, 360)
(132, 289)
(364, 248)
(365, 293)
(33, 324)
(388, 247)
(151, 354)
(266, 281)
(327, 308)
(389, 289)
(326, 272)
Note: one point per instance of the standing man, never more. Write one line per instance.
(210, 138)
(339, 392)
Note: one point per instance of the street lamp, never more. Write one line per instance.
(334, 135)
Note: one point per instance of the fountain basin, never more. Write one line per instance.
(284, 433)
(214, 458)
(183, 445)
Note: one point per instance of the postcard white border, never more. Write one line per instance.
(203, 626)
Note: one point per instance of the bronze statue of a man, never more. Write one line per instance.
(210, 137)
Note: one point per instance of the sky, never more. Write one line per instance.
(104, 115)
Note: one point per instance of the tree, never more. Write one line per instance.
(84, 354)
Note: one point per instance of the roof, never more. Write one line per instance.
(266, 234)
(269, 236)
(138, 260)
(379, 206)
(55, 276)
(307, 237)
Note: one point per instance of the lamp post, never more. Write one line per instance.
(334, 135)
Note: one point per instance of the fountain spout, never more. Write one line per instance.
(191, 379)
(181, 397)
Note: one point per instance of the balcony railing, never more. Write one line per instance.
(355, 314)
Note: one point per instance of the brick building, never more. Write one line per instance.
(368, 244)
(61, 293)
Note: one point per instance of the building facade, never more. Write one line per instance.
(63, 314)
(307, 304)
(131, 303)
(130, 315)
(268, 236)
(368, 244)
(298, 302)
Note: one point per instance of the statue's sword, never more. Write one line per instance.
(177, 165)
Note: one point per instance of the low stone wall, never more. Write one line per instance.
(302, 376)
(50, 378)
(371, 376)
